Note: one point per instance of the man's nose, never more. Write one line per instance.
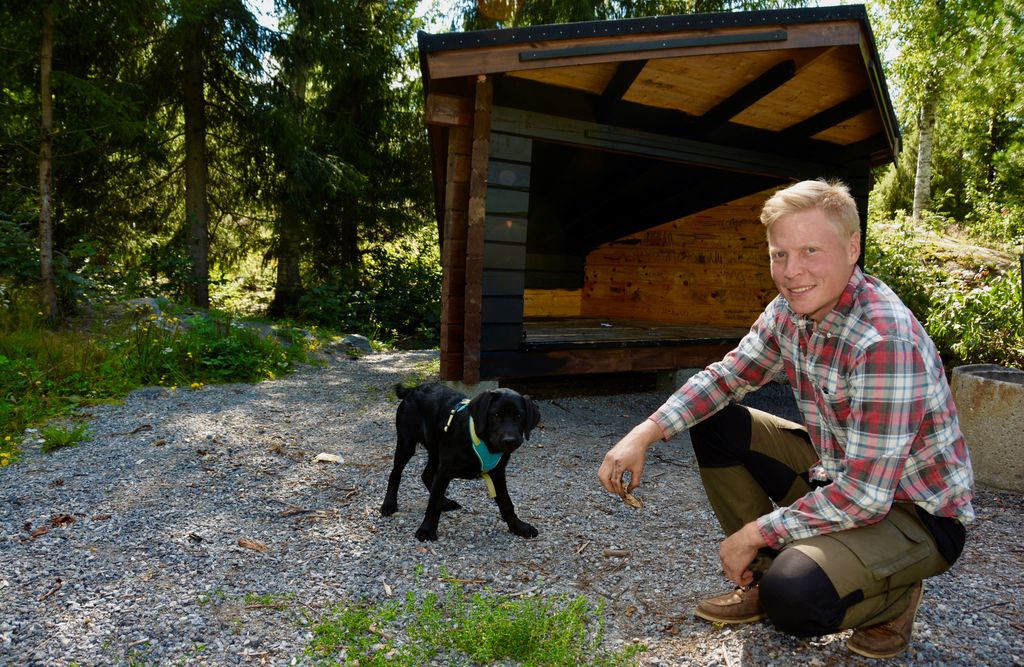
(792, 268)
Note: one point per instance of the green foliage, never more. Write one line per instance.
(395, 299)
(19, 257)
(58, 437)
(894, 255)
(971, 319)
(964, 58)
(980, 323)
(202, 348)
(45, 374)
(484, 628)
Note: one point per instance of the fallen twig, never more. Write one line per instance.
(56, 587)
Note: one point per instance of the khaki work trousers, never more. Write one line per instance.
(881, 561)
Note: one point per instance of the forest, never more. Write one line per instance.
(197, 152)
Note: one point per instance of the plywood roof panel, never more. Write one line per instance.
(835, 76)
(858, 128)
(588, 78)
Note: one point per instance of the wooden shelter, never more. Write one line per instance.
(598, 185)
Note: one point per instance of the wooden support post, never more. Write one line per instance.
(453, 253)
(475, 228)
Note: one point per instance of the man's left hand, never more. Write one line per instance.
(738, 551)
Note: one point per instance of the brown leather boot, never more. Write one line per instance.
(742, 605)
(890, 638)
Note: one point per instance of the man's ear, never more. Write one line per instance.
(853, 247)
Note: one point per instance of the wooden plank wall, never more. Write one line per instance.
(508, 200)
(551, 303)
(709, 268)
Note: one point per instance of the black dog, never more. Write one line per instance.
(439, 418)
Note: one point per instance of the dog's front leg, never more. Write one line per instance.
(508, 512)
(427, 531)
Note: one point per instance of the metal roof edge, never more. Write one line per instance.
(430, 42)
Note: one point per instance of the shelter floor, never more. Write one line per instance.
(578, 332)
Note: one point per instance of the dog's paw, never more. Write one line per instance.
(426, 534)
(447, 505)
(388, 508)
(523, 529)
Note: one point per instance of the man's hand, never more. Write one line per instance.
(738, 551)
(628, 455)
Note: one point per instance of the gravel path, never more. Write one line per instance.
(145, 544)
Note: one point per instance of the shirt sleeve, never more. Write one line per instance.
(873, 423)
(750, 365)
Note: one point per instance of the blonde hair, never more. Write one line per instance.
(831, 198)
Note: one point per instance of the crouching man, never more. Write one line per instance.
(833, 524)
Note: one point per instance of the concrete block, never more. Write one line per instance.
(472, 390)
(668, 381)
(990, 402)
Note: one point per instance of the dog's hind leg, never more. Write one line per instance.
(403, 453)
(427, 532)
(447, 505)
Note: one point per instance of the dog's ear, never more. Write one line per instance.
(532, 416)
(478, 409)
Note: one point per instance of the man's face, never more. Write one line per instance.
(811, 262)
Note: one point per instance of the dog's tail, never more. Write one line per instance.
(401, 391)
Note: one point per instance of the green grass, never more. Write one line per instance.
(483, 628)
(58, 437)
(46, 374)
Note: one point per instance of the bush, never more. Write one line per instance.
(981, 324)
(396, 299)
(973, 319)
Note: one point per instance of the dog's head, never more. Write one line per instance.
(503, 418)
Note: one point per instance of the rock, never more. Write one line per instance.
(358, 344)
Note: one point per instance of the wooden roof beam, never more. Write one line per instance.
(831, 117)
(745, 97)
(620, 83)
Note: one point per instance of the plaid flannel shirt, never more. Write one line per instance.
(875, 401)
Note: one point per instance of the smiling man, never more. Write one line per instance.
(833, 524)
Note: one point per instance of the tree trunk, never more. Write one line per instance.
(350, 240)
(196, 168)
(922, 182)
(288, 288)
(48, 285)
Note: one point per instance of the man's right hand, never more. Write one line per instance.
(628, 455)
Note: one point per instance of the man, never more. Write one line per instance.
(831, 525)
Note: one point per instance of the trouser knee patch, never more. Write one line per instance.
(800, 599)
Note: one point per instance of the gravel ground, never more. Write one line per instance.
(137, 547)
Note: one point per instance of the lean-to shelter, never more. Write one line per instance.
(597, 185)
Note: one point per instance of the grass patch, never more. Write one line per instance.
(58, 437)
(46, 374)
(461, 629)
